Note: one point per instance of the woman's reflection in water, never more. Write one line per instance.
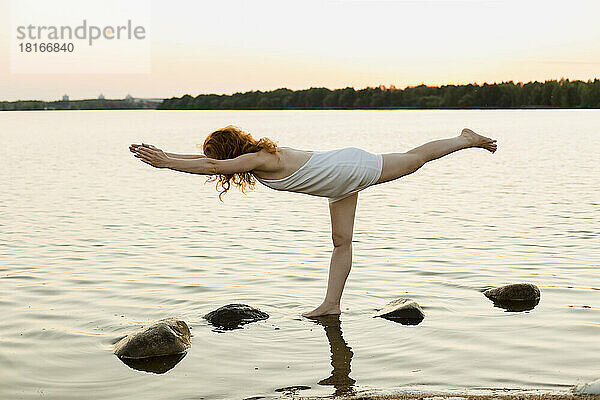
(341, 356)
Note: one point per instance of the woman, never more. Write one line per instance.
(231, 155)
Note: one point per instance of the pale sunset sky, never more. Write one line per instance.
(229, 46)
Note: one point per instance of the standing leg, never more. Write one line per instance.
(396, 165)
(342, 227)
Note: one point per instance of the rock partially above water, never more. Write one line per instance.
(233, 316)
(515, 292)
(404, 310)
(165, 337)
(516, 297)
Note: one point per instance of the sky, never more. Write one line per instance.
(234, 46)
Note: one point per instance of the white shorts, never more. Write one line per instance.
(357, 169)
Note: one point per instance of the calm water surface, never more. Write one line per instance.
(95, 244)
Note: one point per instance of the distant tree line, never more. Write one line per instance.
(91, 104)
(549, 94)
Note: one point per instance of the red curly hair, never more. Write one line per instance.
(231, 142)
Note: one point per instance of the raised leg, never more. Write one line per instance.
(342, 214)
(396, 165)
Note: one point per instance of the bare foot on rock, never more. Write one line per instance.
(323, 309)
(476, 140)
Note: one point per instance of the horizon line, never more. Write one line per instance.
(382, 86)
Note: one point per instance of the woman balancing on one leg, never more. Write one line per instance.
(232, 155)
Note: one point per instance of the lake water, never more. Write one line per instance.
(95, 244)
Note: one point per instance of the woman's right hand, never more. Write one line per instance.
(134, 146)
(150, 155)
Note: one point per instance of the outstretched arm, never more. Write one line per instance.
(211, 166)
(171, 155)
(185, 156)
(202, 166)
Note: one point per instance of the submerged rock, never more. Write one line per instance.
(233, 316)
(165, 337)
(404, 310)
(156, 365)
(516, 297)
(292, 390)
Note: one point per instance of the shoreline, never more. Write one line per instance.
(409, 108)
(498, 394)
(570, 393)
(547, 396)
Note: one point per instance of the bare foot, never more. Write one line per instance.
(323, 309)
(476, 140)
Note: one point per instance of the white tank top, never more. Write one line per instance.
(334, 174)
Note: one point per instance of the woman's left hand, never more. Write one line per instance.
(151, 155)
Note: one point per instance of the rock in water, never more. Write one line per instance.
(233, 316)
(157, 365)
(405, 311)
(165, 337)
(516, 292)
(516, 297)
